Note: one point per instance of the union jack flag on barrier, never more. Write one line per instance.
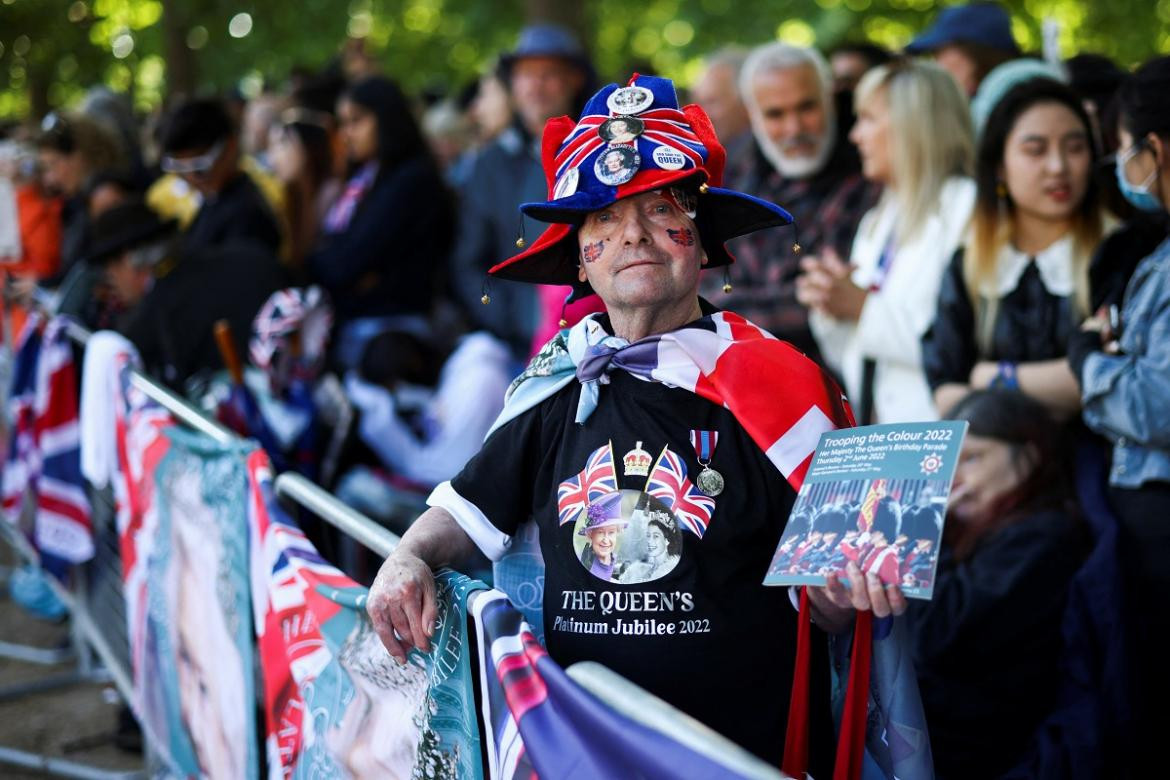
(289, 614)
(336, 705)
(44, 455)
(539, 722)
(669, 483)
(597, 479)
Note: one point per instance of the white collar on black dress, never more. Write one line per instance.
(1055, 264)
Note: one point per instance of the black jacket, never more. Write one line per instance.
(986, 647)
(392, 256)
(237, 214)
(1031, 324)
(1119, 254)
(172, 326)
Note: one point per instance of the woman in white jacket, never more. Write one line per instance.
(914, 134)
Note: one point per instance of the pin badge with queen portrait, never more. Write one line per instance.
(621, 129)
(616, 165)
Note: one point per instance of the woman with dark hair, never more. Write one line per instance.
(1016, 291)
(301, 152)
(1123, 365)
(385, 240)
(986, 645)
(71, 148)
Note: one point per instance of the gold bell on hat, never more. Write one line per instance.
(703, 188)
(727, 287)
(486, 299)
(520, 242)
(796, 249)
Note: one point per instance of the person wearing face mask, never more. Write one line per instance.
(1019, 286)
(1123, 365)
(986, 646)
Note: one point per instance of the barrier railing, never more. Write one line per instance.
(95, 601)
(97, 609)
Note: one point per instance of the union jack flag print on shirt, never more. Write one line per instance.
(598, 479)
(669, 483)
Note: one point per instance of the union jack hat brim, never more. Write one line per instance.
(671, 147)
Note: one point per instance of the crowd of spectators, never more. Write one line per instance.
(979, 235)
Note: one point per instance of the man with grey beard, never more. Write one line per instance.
(803, 160)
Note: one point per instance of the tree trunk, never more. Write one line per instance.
(37, 82)
(180, 59)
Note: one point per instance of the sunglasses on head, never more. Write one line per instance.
(192, 165)
(57, 132)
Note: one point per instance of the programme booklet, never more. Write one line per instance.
(877, 496)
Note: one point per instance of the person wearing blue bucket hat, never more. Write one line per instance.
(547, 74)
(636, 209)
(969, 41)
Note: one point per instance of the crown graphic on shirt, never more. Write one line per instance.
(637, 461)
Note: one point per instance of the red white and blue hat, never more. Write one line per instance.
(630, 140)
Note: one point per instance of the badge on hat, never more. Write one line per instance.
(668, 159)
(616, 165)
(621, 129)
(567, 184)
(629, 100)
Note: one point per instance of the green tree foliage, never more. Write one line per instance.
(51, 50)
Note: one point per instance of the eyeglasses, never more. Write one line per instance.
(192, 165)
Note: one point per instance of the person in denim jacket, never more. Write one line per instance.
(1123, 364)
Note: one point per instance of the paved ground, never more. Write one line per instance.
(74, 723)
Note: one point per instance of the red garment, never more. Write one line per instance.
(882, 561)
(40, 242)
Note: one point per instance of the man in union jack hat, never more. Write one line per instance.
(728, 415)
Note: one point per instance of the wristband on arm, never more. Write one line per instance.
(1007, 376)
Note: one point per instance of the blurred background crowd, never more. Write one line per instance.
(980, 233)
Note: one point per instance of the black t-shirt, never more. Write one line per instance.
(685, 617)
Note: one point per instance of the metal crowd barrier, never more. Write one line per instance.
(96, 604)
(97, 609)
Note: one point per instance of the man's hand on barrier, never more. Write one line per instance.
(402, 600)
(402, 604)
